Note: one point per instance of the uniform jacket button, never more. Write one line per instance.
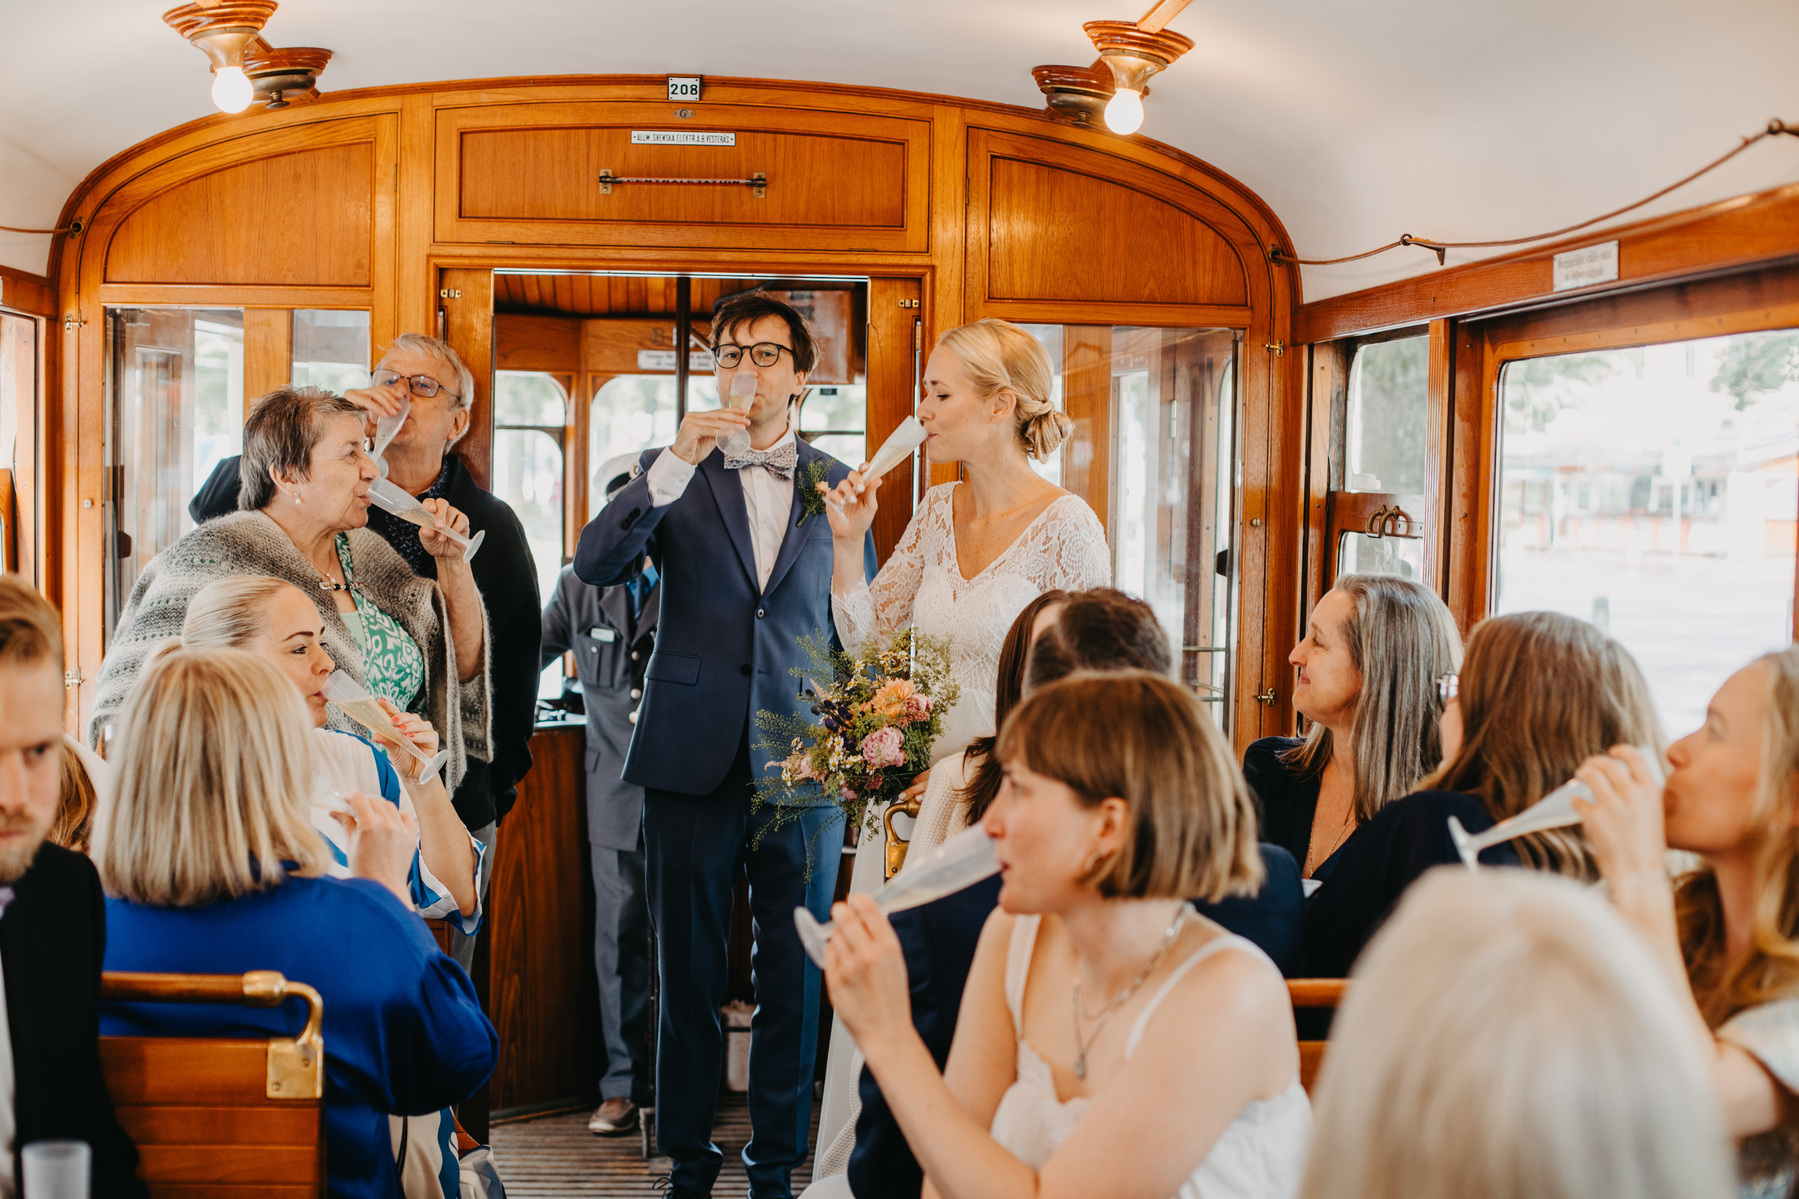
(760, 613)
(636, 655)
(636, 693)
(633, 717)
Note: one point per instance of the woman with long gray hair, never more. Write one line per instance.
(1368, 668)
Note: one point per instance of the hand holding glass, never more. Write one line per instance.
(898, 447)
(741, 397)
(391, 497)
(1555, 810)
(962, 861)
(361, 707)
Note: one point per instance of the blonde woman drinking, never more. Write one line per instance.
(1112, 1042)
(1726, 936)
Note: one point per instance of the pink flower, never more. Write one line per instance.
(916, 708)
(882, 748)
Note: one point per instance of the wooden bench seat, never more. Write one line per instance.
(215, 1117)
(1313, 993)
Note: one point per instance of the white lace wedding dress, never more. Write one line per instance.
(922, 587)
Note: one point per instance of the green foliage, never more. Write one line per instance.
(812, 500)
(1757, 362)
(1389, 398)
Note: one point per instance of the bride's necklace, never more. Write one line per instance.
(1082, 1045)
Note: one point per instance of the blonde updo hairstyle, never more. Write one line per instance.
(1002, 358)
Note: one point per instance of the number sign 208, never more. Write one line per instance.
(684, 87)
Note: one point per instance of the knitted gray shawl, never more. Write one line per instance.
(250, 543)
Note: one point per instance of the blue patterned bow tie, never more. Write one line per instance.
(779, 461)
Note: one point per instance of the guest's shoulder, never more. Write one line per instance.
(1427, 813)
(1070, 509)
(1264, 755)
(62, 877)
(386, 929)
(221, 537)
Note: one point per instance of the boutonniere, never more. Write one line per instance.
(812, 500)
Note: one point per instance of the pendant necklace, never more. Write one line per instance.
(1081, 1046)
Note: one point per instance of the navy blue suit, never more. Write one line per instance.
(724, 649)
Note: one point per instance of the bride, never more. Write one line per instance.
(975, 553)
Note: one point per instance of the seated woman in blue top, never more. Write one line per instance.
(1374, 649)
(1538, 694)
(208, 855)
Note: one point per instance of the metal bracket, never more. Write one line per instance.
(757, 183)
(1267, 697)
(72, 322)
(1279, 348)
(449, 293)
(1385, 522)
(72, 679)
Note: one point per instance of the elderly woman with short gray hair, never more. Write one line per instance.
(302, 514)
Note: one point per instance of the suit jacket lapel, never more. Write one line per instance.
(795, 537)
(727, 491)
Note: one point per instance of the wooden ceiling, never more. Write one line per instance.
(629, 295)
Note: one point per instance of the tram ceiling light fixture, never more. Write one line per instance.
(1133, 53)
(244, 67)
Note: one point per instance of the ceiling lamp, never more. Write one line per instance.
(1079, 93)
(244, 67)
(1133, 53)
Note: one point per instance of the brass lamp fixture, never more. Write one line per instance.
(1134, 54)
(244, 67)
(1129, 53)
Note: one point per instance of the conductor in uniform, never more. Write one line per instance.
(610, 631)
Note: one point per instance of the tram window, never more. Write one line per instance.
(630, 414)
(1171, 399)
(331, 348)
(530, 418)
(18, 399)
(1386, 419)
(835, 419)
(1655, 492)
(174, 410)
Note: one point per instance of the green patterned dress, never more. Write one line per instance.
(392, 666)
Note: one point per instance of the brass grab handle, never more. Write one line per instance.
(296, 1064)
(896, 845)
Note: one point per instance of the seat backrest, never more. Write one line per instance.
(218, 1118)
(1313, 994)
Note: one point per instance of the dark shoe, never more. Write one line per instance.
(669, 1190)
(612, 1118)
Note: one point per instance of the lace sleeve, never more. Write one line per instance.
(884, 608)
(1077, 556)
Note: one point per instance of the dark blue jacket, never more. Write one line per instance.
(725, 648)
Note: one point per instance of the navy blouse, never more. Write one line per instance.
(1285, 800)
(404, 1032)
(1365, 878)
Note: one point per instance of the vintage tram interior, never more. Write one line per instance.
(1537, 394)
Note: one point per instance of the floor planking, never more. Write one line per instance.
(555, 1157)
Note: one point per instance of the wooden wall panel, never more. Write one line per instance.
(895, 343)
(466, 320)
(551, 174)
(298, 219)
(1059, 235)
(1087, 398)
(529, 174)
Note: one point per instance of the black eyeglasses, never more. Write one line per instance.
(423, 386)
(763, 353)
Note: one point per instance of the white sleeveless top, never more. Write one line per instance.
(1260, 1154)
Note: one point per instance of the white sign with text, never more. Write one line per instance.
(1586, 266)
(681, 137)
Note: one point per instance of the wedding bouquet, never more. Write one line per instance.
(874, 722)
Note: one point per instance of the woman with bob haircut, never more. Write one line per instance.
(208, 855)
(1727, 935)
(303, 517)
(1537, 695)
(1111, 1041)
(1368, 667)
(1506, 1038)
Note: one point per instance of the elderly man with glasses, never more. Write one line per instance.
(428, 372)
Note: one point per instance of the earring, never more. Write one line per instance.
(296, 497)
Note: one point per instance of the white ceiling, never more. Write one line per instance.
(1458, 119)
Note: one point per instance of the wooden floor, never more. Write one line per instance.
(555, 1157)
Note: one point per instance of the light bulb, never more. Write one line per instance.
(232, 92)
(1124, 111)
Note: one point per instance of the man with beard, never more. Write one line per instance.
(52, 923)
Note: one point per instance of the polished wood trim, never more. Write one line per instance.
(268, 352)
(206, 295)
(24, 292)
(1317, 992)
(895, 356)
(1731, 234)
(1082, 312)
(467, 318)
(1326, 400)
(1465, 468)
(1438, 404)
(1087, 399)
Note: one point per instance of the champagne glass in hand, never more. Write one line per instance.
(742, 396)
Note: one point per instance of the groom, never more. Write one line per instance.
(742, 581)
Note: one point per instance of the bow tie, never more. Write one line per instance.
(779, 461)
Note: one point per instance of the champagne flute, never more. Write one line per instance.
(963, 860)
(386, 429)
(361, 707)
(742, 396)
(1555, 810)
(390, 497)
(57, 1169)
